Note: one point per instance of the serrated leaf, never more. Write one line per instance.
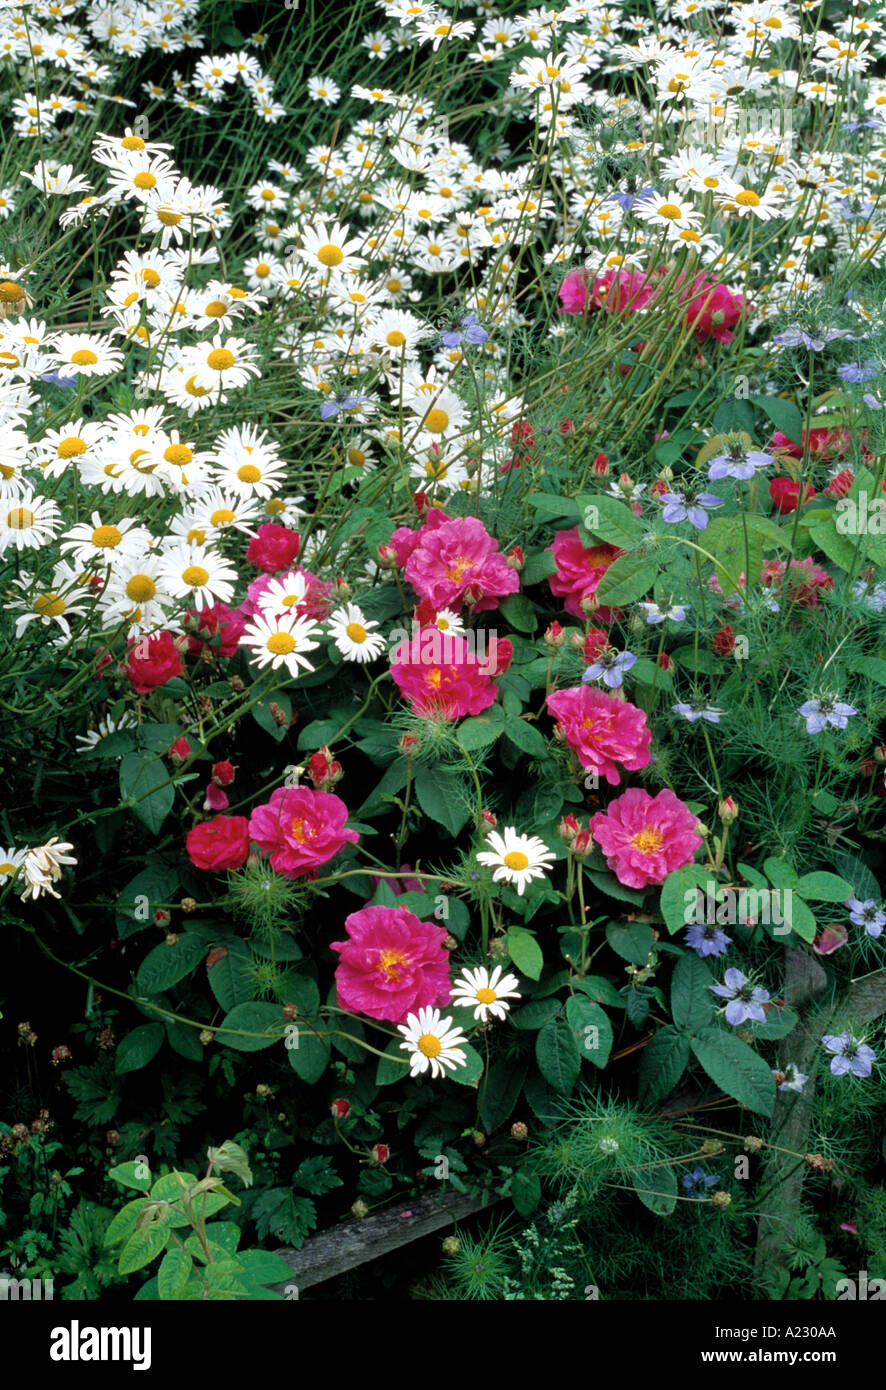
(310, 1059)
(785, 415)
(500, 1091)
(123, 1224)
(609, 884)
(630, 940)
(130, 1175)
(230, 974)
(139, 1047)
(823, 887)
(479, 732)
(663, 1062)
(166, 965)
(607, 519)
(261, 1025)
(657, 1189)
(174, 1272)
(837, 547)
(627, 579)
(591, 1029)
(692, 1005)
(602, 991)
(525, 1192)
(525, 952)
(438, 796)
(520, 612)
(736, 1068)
(141, 1248)
(557, 1054)
(526, 737)
(145, 782)
(735, 553)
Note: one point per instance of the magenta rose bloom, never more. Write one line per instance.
(300, 829)
(392, 964)
(644, 838)
(274, 548)
(219, 844)
(602, 730)
(438, 673)
(460, 559)
(217, 619)
(579, 570)
(712, 309)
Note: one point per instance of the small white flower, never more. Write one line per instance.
(485, 993)
(517, 859)
(433, 1043)
(350, 630)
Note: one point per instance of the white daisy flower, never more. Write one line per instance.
(517, 859)
(283, 594)
(42, 866)
(11, 860)
(198, 574)
(61, 601)
(350, 630)
(484, 993)
(28, 522)
(105, 543)
(106, 726)
(280, 640)
(433, 1043)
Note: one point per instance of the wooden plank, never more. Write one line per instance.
(356, 1242)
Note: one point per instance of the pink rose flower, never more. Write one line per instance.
(458, 560)
(644, 838)
(300, 829)
(274, 548)
(711, 309)
(217, 619)
(438, 673)
(392, 964)
(602, 730)
(579, 570)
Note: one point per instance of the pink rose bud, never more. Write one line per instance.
(223, 774)
(555, 636)
(340, 1109)
(179, 751)
(568, 829)
(387, 556)
(380, 1153)
(489, 818)
(582, 843)
(728, 810)
(515, 558)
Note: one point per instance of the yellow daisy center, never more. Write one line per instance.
(281, 644)
(151, 277)
(145, 179)
(195, 576)
(106, 537)
(670, 210)
(747, 198)
(20, 518)
(222, 516)
(50, 605)
(248, 473)
(215, 309)
(430, 1045)
(193, 389)
(356, 632)
(140, 588)
(220, 359)
(517, 860)
(330, 255)
(395, 338)
(179, 454)
(70, 446)
(84, 357)
(262, 269)
(168, 217)
(436, 420)
(486, 996)
(132, 142)
(10, 292)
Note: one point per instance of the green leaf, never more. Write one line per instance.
(591, 1029)
(630, 940)
(799, 918)
(627, 579)
(264, 1267)
(438, 796)
(657, 1189)
(692, 1005)
(166, 965)
(839, 548)
(183, 1038)
(733, 414)
(309, 1060)
(735, 1068)
(553, 505)
(261, 713)
(174, 1272)
(872, 667)
(479, 731)
(856, 872)
(123, 1224)
(526, 737)
(394, 1065)
(520, 612)
(663, 1062)
(321, 732)
(780, 1020)
(504, 1082)
(609, 884)
(784, 415)
(525, 1192)
(733, 552)
(136, 904)
(780, 874)
(145, 782)
(231, 976)
(139, 1047)
(823, 887)
(142, 1247)
(672, 903)
(602, 991)
(265, 1020)
(525, 952)
(126, 1173)
(534, 1014)
(610, 520)
(557, 1054)
(538, 566)
(469, 1074)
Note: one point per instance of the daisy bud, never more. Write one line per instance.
(380, 1153)
(519, 1130)
(555, 636)
(568, 829)
(515, 558)
(223, 774)
(359, 1209)
(451, 1245)
(728, 810)
(340, 1109)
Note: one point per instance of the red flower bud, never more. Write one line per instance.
(515, 558)
(785, 493)
(724, 641)
(665, 662)
(380, 1153)
(555, 636)
(223, 773)
(340, 1109)
(595, 643)
(179, 751)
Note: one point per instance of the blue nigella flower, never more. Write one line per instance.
(696, 710)
(850, 1054)
(611, 666)
(468, 330)
(58, 380)
(745, 1000)
(868, 915)
(334, 406)
(677, 508)
(741, 465)
(698, 1181)
(627, 200)
(825, 710)
(855, 372)
(813, 340)
(659, 612)
(706, 939)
